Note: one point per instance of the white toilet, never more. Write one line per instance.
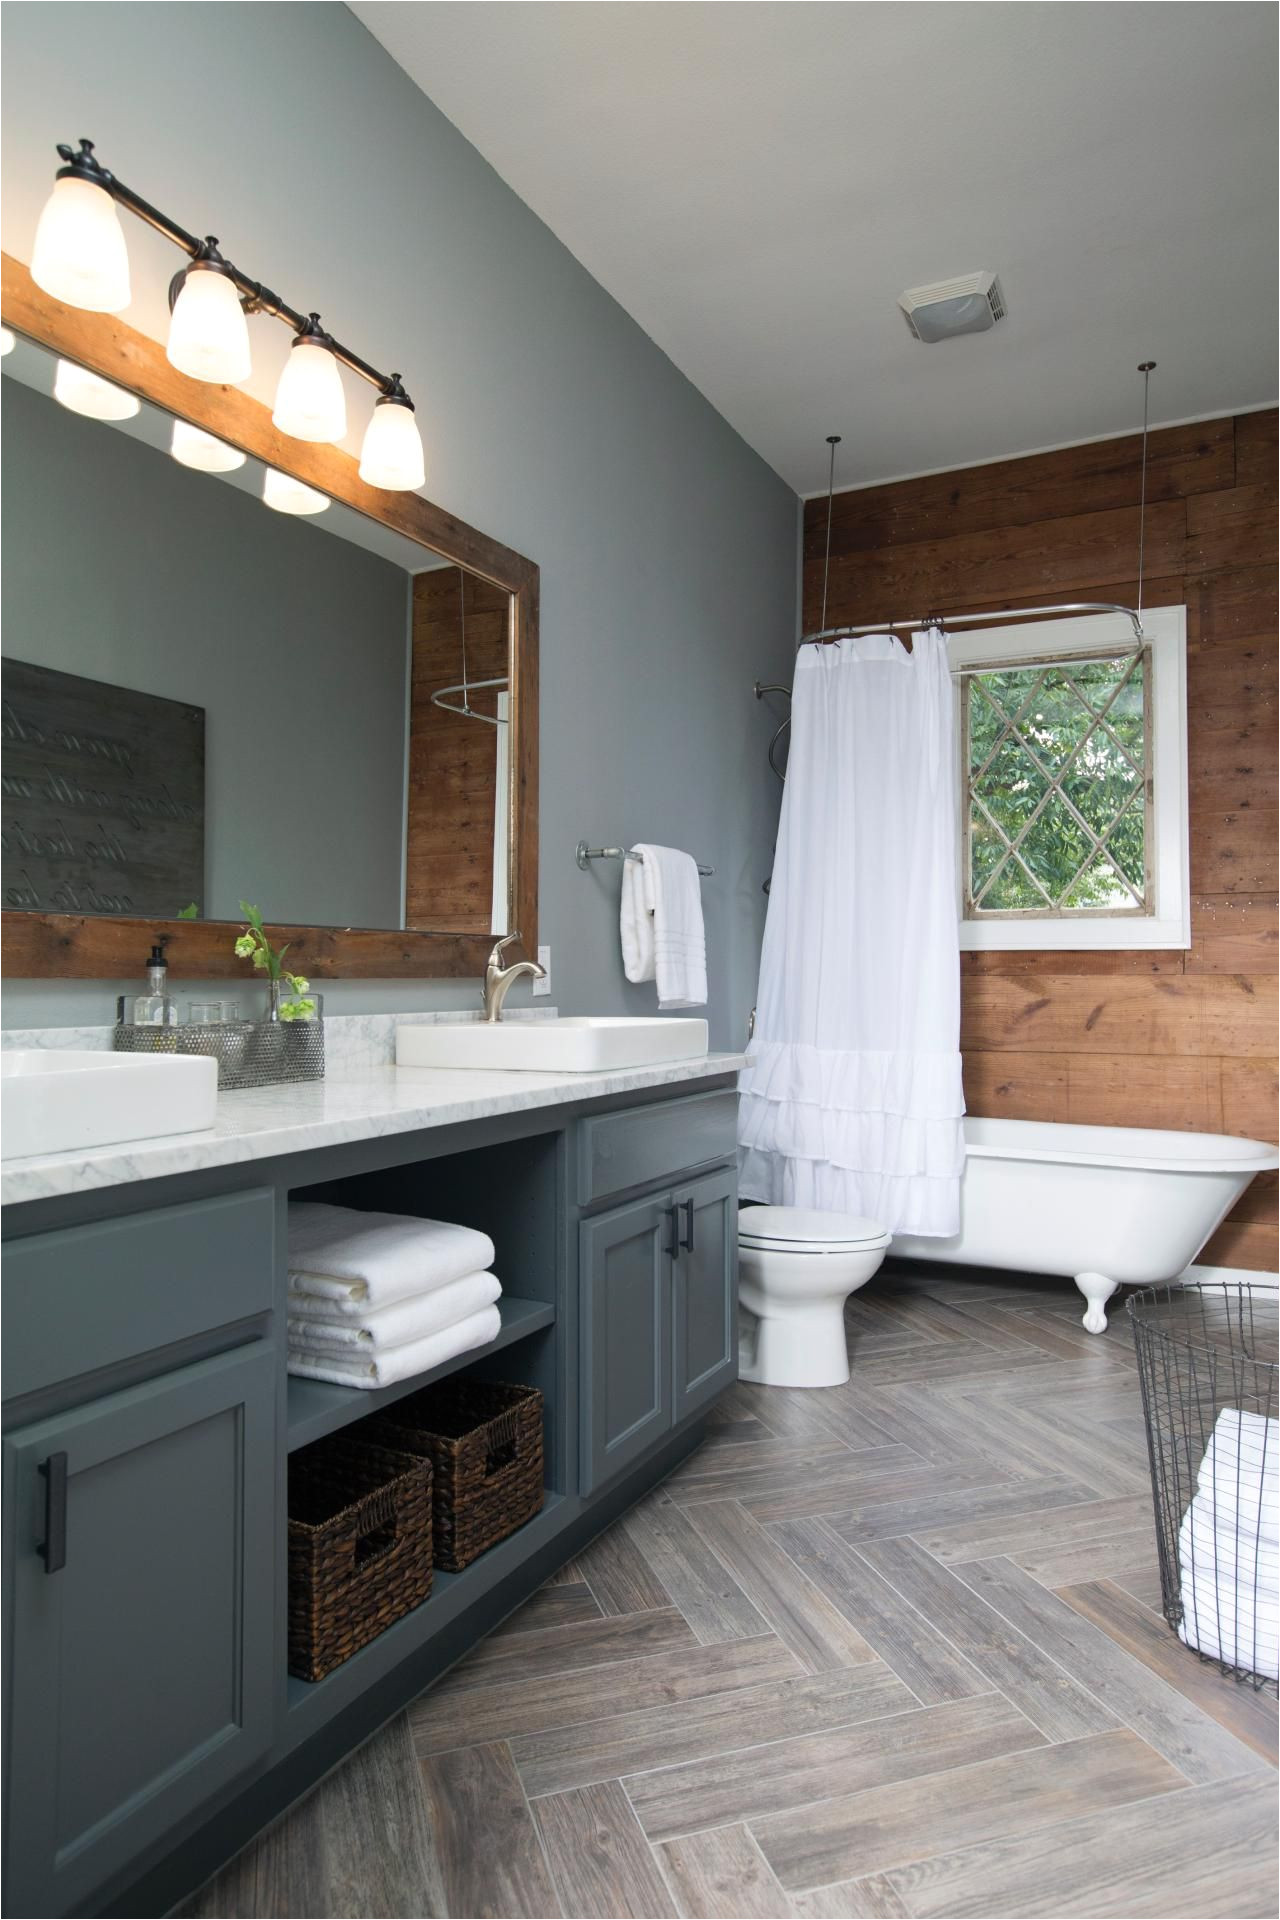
(797, 1267)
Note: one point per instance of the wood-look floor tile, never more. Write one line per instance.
(901, 1636)
(594, 1643)
(1142, 1583)
(890, 1825)
(665, 1736)
(701, 1586)
(492, 1865)
(1251, 1716)
(811, 1415)
(567, 1605)
(757, 1781)
(921, 1418)
(926, 1513)
(722, 1875)
(1008, 1660)
(602, 1864)
(1193, 1742)
(988, 1537)
(535, 1704)
(869, 1899)
(619, 1575)
(820, 1636)
(1090, 1559)
(763, 1466)
(945, 1360)
(1206, 1853)
(867, 1477)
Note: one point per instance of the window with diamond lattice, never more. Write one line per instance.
(1059, 788)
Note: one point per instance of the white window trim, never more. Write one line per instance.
(1169, 922)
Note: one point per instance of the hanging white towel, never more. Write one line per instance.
(636, 923)
(362, 1261)
(312, 1323)
(382, 1366)
(672, 893)
(852, 1099)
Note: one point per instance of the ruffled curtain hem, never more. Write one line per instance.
(901, 1203)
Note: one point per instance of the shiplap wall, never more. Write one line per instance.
(1174, 1039)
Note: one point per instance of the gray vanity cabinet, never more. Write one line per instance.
(141, 1548)
(626, 1263)
(704, 1291)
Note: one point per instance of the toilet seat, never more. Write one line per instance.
(807, 1230)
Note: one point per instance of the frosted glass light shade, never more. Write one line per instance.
(287, 495)
(85, 393)
(208, 333)
(310, 403)
(7, 342)
(391, 456)
(79, 254)
(193, 447)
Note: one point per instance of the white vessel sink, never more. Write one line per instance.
(59, 1099)
(551, 1046)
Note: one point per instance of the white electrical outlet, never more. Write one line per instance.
(543, 986)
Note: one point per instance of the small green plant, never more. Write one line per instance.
(191, 912)
(252, 944)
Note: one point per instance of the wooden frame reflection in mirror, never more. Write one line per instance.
(40, 945)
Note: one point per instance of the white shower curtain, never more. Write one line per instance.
(852, 1098)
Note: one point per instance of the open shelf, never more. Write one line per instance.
(317, 1407)
(312, 1702)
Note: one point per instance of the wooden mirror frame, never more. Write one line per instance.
(103, 947)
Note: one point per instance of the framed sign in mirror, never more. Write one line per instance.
(330, 709)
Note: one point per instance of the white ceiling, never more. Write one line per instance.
(756, 184)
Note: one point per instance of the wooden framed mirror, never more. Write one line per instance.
(332, 714)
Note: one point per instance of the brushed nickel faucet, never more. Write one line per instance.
(498, 979)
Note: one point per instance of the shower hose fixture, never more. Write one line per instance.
(81, 258)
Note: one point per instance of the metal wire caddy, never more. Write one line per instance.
(249, 1053)
(1207, 1363)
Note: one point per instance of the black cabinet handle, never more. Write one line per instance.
(673, 1221)
(687, 1242)
(53, 1548)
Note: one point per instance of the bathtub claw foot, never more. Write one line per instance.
(1097, 1290)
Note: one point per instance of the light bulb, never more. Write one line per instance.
(8, 342)
(208, 333)
(287, 495)
(196, 448)
(85, 393)
(310, 403)
(79, 254)
(391, 456)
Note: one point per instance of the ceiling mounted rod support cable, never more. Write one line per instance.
(466, 686)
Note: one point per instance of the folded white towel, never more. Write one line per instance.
(1240, 1472)
(1207, 1547)
(365, 1261)
(666, 882)
(312, 1323)
(382, 1366)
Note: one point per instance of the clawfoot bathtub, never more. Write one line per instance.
(1109, 1206)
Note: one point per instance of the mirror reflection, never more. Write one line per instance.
(220, 685)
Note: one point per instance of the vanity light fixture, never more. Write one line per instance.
(79, 254)
(193, 447)
(80, 257)
(8, 341)
(391, 456)
(86, 393)
(310, 403)
(208, 333)
(287, 495)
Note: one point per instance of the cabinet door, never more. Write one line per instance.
(705, 1294)
(625, 1268)
(142, 1589)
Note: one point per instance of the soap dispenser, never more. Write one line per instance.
(154, 1008)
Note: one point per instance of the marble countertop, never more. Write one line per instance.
(371, 1104)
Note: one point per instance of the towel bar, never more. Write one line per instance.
(583, 853)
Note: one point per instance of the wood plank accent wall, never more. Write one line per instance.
(1166, 1039)
(453, 760)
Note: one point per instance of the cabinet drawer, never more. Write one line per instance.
(642, 1145)
(87, 1297)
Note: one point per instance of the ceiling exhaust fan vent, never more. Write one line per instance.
(970, 304)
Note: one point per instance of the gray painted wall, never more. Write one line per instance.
(294, 643)
(668, 549)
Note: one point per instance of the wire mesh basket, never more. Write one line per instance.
(249, 1053)
(1207, 1362)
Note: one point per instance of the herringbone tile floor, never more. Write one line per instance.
(888, 1649)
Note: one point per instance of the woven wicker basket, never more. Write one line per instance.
(359, 1548)
(484, 1440)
